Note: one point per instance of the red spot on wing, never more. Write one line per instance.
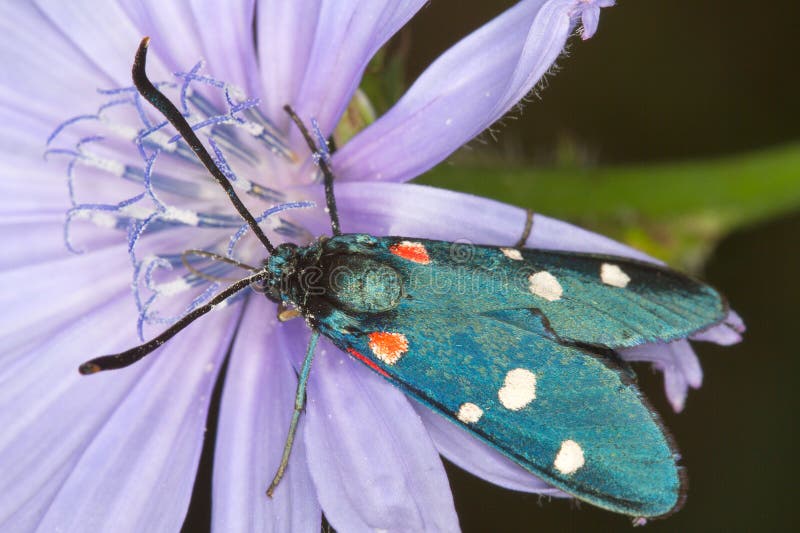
(388, 347)
(368, 362)
(413, 251)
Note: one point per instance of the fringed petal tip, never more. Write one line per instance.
(677, 361)
(726, 333)
(466, 90)
(588, 11)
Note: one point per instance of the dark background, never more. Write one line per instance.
(665, 80)
(661, 79)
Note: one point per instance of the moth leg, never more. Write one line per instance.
(526, 231)
(285, 313)
(299, 404)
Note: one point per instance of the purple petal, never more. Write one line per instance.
(372, 463)
(461, 94)
(727, 333)
(185, 32)
(590, 19)
(40, 444)
(285, 37)
(29, 84)
(420, 211)
(589, 12)
(104, 35)
(313, 53)
(257, 404)
(114, 451)
(31, 197)
(41, 299)
(348, 35)
(140, 465)
(47, 234)
(677, 361)
(478, 458)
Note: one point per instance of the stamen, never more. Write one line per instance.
(187, 80)
(226, 121)
(292, 231)
(271, 211)
(167, 289)
(101, 215)
(243, 184)
(61, 127)
(323, 151)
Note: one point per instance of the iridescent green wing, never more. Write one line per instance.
(516, 346)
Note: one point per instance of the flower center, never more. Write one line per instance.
(126, 171)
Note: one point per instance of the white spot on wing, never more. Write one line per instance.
(569, 458)
(545, 285)
(512, 253)
(613, 275)
(519, 389)
(469, 413)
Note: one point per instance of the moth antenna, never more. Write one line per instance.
(330, 199)
(128, 357)
(174, 116)
(216, 257)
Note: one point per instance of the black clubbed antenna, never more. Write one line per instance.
(128, 357)
(171, 113)
(174, 116)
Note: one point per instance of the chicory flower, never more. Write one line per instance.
(120, 452)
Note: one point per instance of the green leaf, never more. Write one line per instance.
(358, 115)
(675, 211)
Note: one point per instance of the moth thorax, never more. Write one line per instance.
(362, 285)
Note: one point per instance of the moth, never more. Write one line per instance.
(515, 345)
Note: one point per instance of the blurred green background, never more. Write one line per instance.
(676, 129)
